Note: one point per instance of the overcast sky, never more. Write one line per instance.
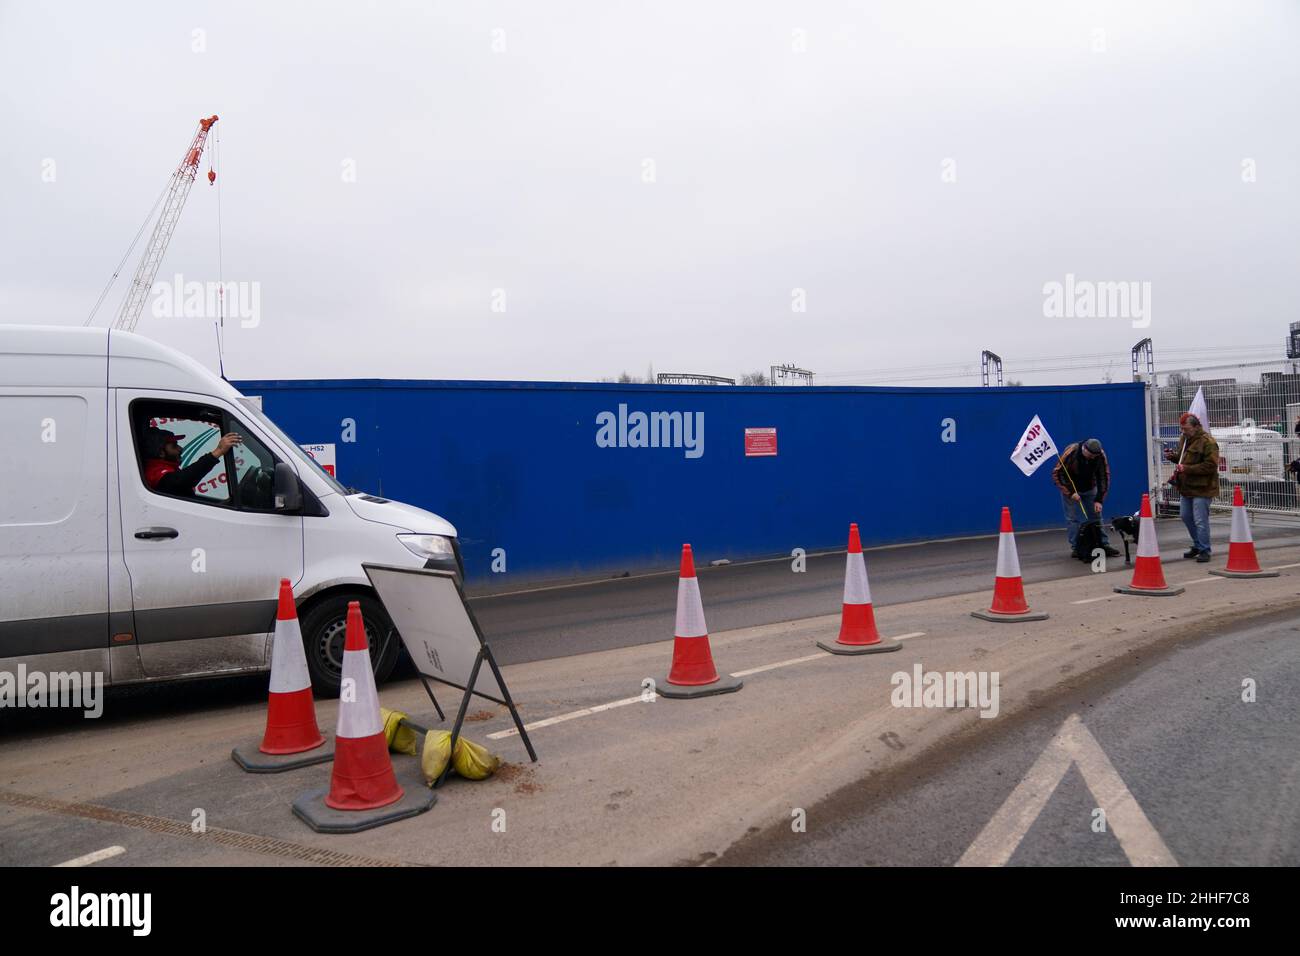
(385, 167)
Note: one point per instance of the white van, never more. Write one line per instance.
(106, 568)
(1250, 454)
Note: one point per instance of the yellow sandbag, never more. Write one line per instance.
(436, 756)
(401, 740)
(472, 761)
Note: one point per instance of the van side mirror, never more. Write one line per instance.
(287, 490)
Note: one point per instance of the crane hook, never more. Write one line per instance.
(212, 176)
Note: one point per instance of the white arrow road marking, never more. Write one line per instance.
(105, 854)
(1072, 744)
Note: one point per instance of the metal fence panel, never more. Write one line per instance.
(1254, 414)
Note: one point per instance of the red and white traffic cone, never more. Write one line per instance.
(1148, 575)
(291, 712)
(292, 738)
(1008, 587)
(1242, 562)
(692, 673)
(363, 772)
(858, 634)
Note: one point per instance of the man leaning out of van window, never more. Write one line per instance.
(162, 466)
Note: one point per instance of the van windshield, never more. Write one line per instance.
(293, 446)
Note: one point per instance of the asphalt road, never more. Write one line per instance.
(528, 626)
(532, 625)
(1217, 778)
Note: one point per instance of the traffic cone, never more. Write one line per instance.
(1008, 587)
(692, 673)
(1242, 562)
(363, 776)
(858, 634)
(1148, 575)
(291, 733)
(291, 711)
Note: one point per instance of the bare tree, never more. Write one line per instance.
(753, 378)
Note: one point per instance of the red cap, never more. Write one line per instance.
(355, 640)
(1237, 500)
(285, 611)
(1146, 507)
(688, 562)
(1006, 521)
(855, 542)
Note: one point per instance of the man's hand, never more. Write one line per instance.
(1075, 497)
(1096, 507)
(1170, 455)
(1179, 469)
(228, 441)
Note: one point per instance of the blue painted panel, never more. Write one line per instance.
(516, 465)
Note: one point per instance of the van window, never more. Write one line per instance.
(254, 471)
(171, 442)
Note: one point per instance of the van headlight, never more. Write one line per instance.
(428, 545)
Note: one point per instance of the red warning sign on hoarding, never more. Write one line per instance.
(760, 442)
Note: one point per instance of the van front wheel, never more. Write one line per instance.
(324, 628)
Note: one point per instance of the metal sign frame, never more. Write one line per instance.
(484, 654)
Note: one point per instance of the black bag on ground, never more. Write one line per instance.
(1089, 540)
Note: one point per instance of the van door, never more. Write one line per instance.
(205, 562)
(53, 532)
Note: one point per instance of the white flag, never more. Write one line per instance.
(1034, 448)
(1198, 409)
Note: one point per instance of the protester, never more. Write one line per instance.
(1082, 473)
(1196, 476)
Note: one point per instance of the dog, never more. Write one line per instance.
(1128, 527)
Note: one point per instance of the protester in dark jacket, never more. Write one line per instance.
(1082, 473)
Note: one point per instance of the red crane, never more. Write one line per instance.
(181, 182)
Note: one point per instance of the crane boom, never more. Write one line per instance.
(147, 271)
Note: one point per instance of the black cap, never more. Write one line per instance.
(156, 439)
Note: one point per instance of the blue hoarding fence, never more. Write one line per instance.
(560, 480)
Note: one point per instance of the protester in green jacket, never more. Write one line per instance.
(1196, 476)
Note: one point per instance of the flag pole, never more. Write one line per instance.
(1066, 471)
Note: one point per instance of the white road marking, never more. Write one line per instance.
(772, 667)
(1282, 567)
(105, 854)
(1072, 744)
(601, 708)
(1172, 584)
(585, 712)
(811, 657)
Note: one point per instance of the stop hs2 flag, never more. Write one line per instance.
(1034, 448)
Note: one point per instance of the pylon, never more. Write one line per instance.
(1242, 562)
(692, 673)
(291, 711)
(858, 634)
(292, 735)
(363, 791)
(1008, 587)
(1148, 575)
(363, 776)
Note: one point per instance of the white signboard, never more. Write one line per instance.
(1034, 448)
(428, 612)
